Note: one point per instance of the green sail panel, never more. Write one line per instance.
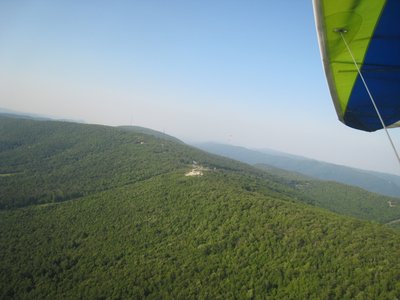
(359, 19)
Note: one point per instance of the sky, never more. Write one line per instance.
(246, 73)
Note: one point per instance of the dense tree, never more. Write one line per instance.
(137, 227)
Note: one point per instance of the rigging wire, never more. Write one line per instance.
(342, 31)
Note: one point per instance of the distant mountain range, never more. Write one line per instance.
(22, 115)
(385, 184)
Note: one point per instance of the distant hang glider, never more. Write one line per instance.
(360, 49)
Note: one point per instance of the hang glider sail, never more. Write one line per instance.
(360, 49)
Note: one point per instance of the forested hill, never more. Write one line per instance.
(97, 212)
(49, 161)
(152, 132)
(384, 184)
(340, 198)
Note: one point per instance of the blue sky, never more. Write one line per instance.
(247, 73)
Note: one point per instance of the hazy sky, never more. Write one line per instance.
(247, 73)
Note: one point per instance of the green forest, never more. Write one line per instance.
(340, 198)
(97, 212)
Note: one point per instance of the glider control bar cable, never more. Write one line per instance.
(342, 31)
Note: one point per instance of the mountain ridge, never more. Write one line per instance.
(385, 184)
